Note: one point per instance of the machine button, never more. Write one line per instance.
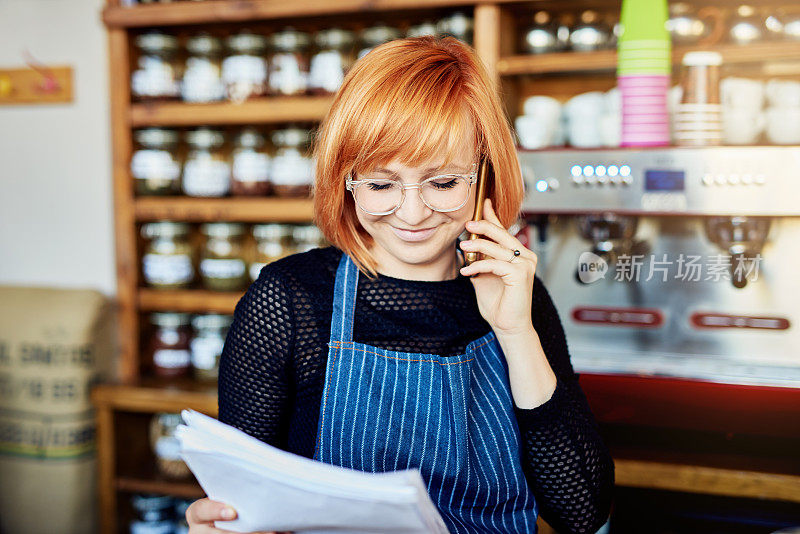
(720, 179)
(553, 183)
(760, 179)
(747, 179)
(733, 179)
(708, 179)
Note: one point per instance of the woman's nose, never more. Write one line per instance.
(413, 210)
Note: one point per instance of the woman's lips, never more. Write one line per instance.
(413, 235)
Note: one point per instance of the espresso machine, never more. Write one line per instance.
(673, 266)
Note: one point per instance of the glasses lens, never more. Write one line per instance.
(378, 196)
(445, 192)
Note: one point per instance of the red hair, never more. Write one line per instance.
(407, 100)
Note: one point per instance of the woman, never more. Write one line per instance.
(393, 354)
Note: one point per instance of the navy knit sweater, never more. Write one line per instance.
(272, 371)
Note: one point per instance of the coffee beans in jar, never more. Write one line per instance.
(155, 165)
(244, 71)
(167, 262)
(250, 164)
(288, 64)
(292, 167)
(222, 263)
(166, 446)
(158, 73)
(207, 172)
(332, 61)
(202, 77)
(169, 344)
(273, 242)
(207, 344)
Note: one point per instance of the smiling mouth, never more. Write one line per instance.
(413, 235)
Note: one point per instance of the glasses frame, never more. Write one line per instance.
(472, 177)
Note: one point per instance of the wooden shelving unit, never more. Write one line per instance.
(496, 24)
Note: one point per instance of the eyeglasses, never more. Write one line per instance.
(443, 192)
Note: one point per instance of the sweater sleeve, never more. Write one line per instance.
(565, 461)
(254, 369)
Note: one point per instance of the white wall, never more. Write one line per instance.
(56, 206)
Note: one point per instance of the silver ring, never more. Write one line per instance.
(514, 254)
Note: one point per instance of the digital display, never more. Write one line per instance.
(659, 180)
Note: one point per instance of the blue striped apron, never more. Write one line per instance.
(450, 417)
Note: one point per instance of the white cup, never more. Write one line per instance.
(533, 133)
(783, 125)
(783, 93)
(742, 126)
(611, 129)
(613, 101)
(585, 105)
(585, 132)
(742, 93)
(543, 108)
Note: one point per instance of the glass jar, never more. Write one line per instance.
(202, 77)
(375, 35)
(209, 339)
(166, 446)
(288, 65)
(306, 237)
(332, 61)
(250, 164)
(426, 27)
(169, 347)
(292, 169)
(167, 260)
(155, 165)
(457, 25)
(207, 172)
(273, 242)
(158, 74)
(222, 264)
(244, 71)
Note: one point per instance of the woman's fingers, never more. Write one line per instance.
(489, 249)
(207, 511)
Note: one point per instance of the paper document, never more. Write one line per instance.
(275, 490)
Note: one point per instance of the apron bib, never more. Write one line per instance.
(450, 417)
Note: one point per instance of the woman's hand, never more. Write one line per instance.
(202, 513)
(505, 289)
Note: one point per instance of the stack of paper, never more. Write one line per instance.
(275, 490)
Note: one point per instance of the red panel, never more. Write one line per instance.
(693, 404)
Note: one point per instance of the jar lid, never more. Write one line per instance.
(458, 25)
(203, 44)
(290, 40)
(155, 42)
(701, 58)
(146, 502)
(247, 43)
(211, 321)
(291, 137)
(307, 233)
(156, 137)
(249, 138)
(272, 231)
(222, 229)
(542, 17)
(426, 27)
(205, 138)
(335, 38)
(379, 34)
(170, 319)
(164, 229)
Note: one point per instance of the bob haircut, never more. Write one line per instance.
(407, 100)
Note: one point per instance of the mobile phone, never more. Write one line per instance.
(480, 196)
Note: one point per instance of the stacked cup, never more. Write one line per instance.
(783, 114)
(698, 118)
(643, 72)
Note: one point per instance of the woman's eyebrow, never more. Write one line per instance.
(452, 166)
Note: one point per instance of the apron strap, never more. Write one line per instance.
(345, 290)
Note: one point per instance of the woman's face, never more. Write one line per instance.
(415, 237)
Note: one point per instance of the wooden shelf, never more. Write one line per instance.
(241, 209)
(216, 11)
(188, 300)
(605, 60)
(155, 395)
(710, 480)
(188, 490)
(260, 111)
